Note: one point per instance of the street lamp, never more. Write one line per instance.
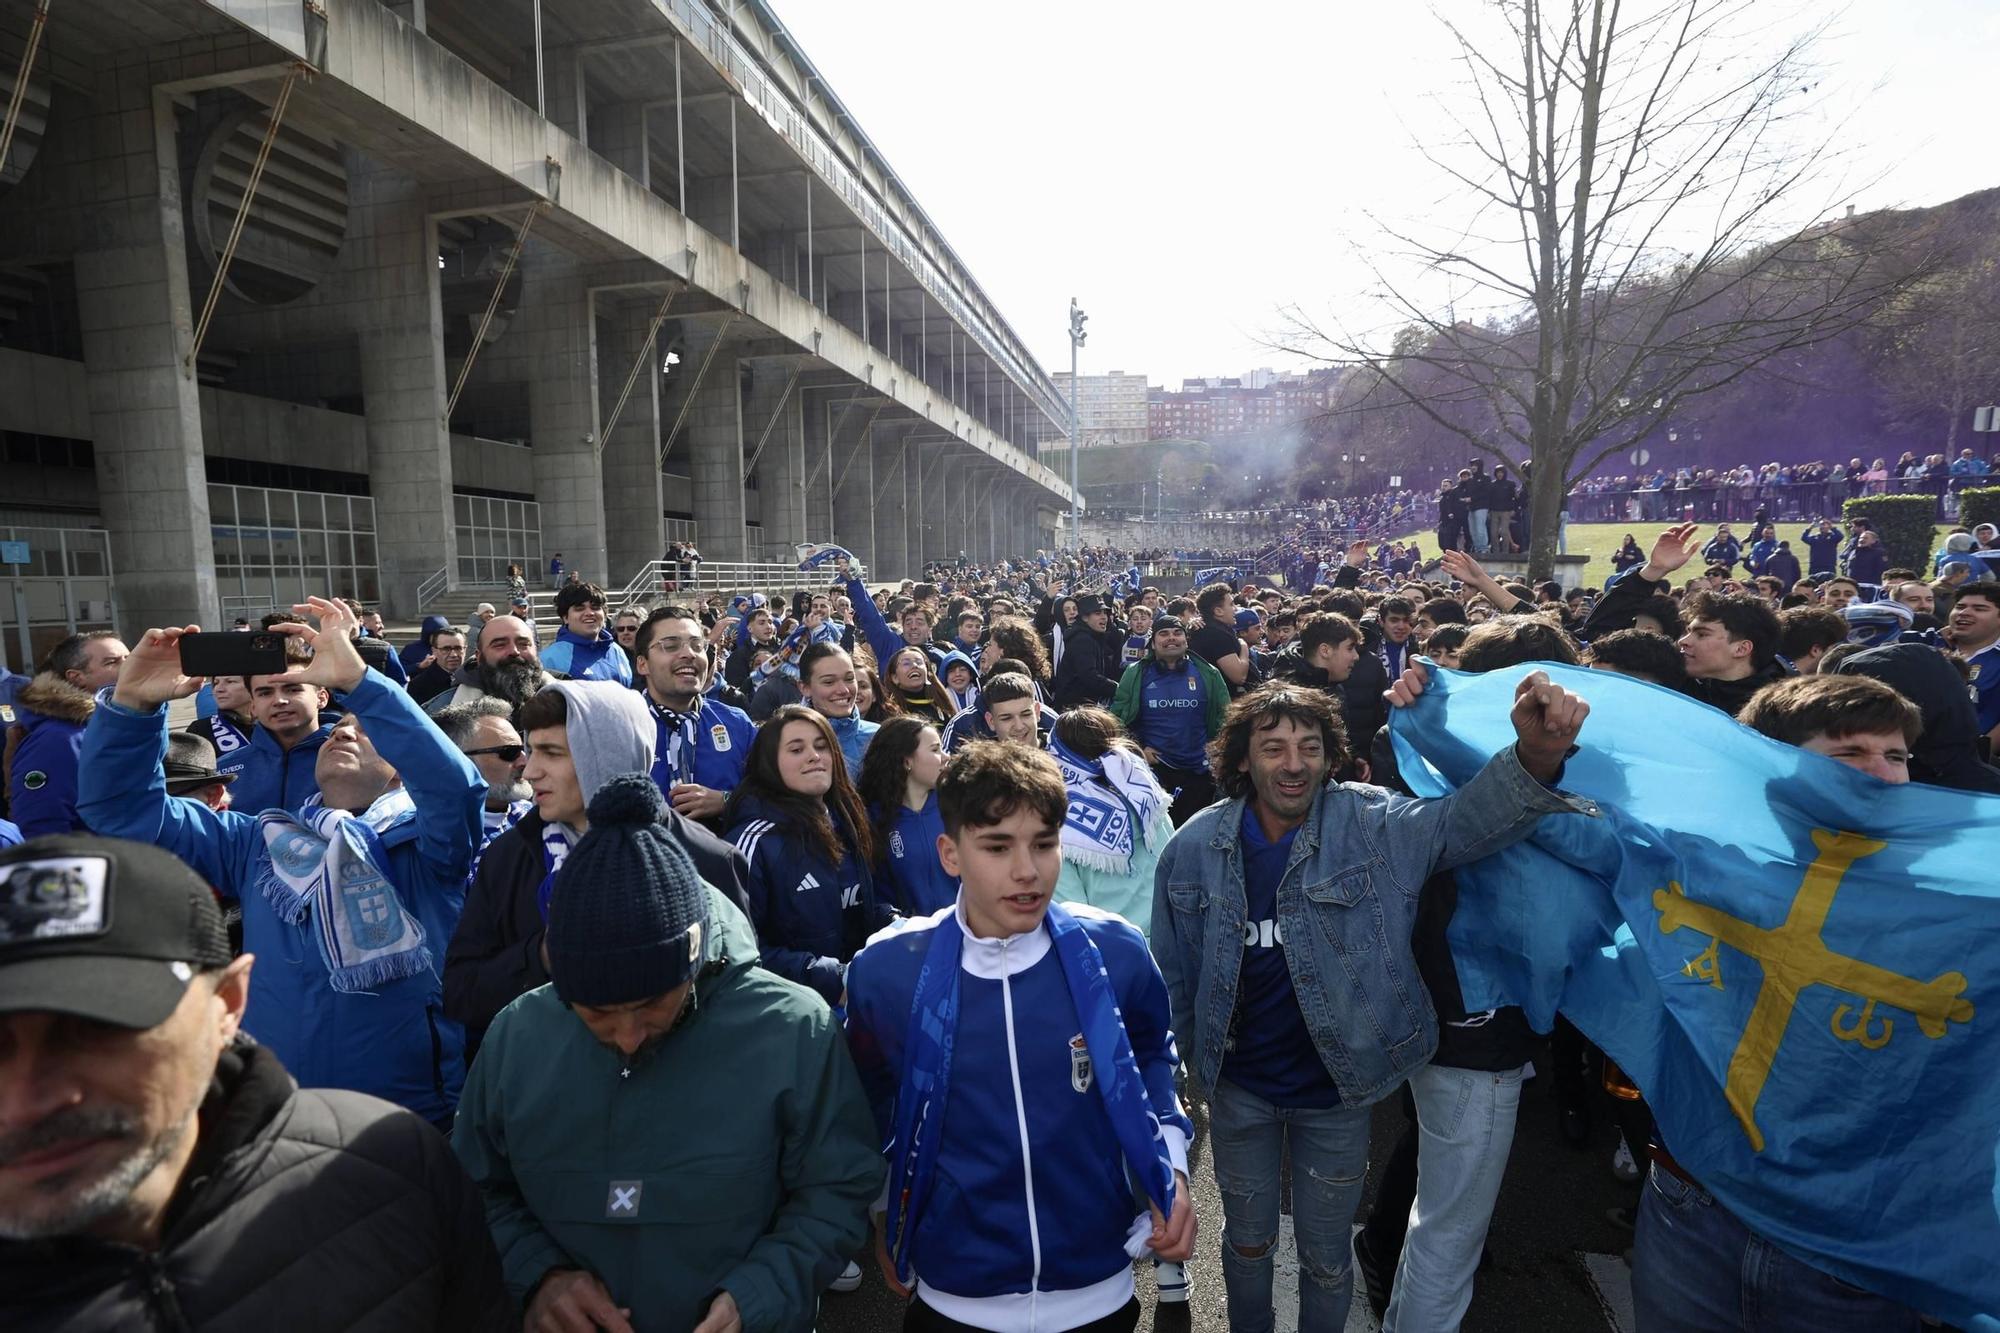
(1076, 336)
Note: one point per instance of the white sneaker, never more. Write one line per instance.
(1622, 1164)
(849, 1279)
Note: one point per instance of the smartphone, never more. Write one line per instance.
(232, 654)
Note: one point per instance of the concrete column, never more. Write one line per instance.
(854, 487)
(820, 464)
(776, 417)
(554, 339)
(403, 385)
(917, 461)
(891, 510)
(134, 310)
(714, 440)
(633, 499)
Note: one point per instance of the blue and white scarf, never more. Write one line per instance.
(557, 841)
(1103, 823)
(331, 866)
(813, 556)
(683, 739)
(786, 659)
(922, 1099)
(493, 823)
(1217, 574)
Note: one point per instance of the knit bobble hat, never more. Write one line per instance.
(628, 917)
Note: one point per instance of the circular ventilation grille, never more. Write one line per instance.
(297, 220)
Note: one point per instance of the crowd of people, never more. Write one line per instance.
(1791, 491)
(655, 972)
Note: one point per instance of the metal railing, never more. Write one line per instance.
(649, 586)
(791, 124)
(1778, 502)
(434, 587)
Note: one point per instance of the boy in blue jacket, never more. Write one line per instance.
(350, 902)
(584, 649)
(1028, 1172)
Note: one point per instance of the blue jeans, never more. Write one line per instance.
(1329, 1156)
(1479, 531)
(1697, 1269)
(1465, 1130)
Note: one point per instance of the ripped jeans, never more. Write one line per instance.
(1329, 1156)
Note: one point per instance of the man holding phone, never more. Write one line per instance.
(358, 894)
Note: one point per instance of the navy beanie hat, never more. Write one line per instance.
(628, 916)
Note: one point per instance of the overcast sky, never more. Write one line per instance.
(1187, 169)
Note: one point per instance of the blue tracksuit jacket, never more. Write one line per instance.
(811, 915)
(579, 658)
(1032, 1203)
(269, 777)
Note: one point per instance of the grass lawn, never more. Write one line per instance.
(1600, 541)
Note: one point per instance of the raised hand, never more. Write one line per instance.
(1546, 720)
(1357, 554)
(336, 663)
(151, 674)
(1673, 548)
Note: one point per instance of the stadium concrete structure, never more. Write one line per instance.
(514, 277)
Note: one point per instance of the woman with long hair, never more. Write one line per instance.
(1016, 638)
(877, 705)
(899, 790)
(1117, 821)
(913, 688)
(799, 823)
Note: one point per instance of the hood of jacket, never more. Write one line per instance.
(610, 730)
(50, 698)
(1946, 753)
(956, 656)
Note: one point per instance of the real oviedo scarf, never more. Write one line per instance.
(1104, 821)
(927, 1069)
(330, 866)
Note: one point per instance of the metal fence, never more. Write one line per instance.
(1774, 502)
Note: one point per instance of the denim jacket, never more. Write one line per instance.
(1346, 906)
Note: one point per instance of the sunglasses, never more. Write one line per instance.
(509, 753)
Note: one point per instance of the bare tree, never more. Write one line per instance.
(1943, 352)
(1637, 180)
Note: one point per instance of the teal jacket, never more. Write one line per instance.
(1126, 702)
(742, 1139)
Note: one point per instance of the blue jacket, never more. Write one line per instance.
(1346, 906)
(885, 641)
(1760, 555)
(41, 784)
(1023, 1131)
(917, 880)
(412, 654)
(1723, 551)
(970, 725)
(853, 732)
(722, 745)
(10, 834)
(269, 777)
(1823, 549)
(579, 658)
(811, 915)
(394, 1043)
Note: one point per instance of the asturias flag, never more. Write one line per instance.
(1799, 965)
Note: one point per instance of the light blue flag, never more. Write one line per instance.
(1798, 964)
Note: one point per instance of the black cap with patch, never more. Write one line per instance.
(104, 929)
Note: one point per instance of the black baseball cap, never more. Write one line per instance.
(103, 928)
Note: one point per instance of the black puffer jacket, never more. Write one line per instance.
(300, 1211)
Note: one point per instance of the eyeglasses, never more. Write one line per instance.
(508, 753)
